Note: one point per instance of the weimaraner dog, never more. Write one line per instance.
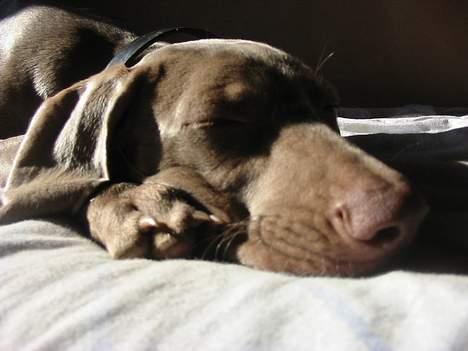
(214, 147)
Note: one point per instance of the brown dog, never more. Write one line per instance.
(233, 138)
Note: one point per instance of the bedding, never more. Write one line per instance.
(61, 291)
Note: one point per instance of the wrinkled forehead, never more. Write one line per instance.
(219, 54)
(245, 68)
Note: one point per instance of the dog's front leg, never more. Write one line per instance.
(150, 220)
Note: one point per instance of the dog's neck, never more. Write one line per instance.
(129, 52)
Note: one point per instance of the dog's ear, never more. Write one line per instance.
(65, 154)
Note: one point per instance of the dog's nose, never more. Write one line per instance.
(379, 215)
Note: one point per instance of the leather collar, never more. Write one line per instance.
(129, 52)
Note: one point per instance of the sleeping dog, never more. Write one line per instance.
(219, 147)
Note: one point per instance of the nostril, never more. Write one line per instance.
(378, 217)
(341, 220)
(361, 225)
(374, 225)
(385, 236)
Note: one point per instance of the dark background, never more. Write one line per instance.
(387, 52)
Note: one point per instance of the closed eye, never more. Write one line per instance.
(218, 123)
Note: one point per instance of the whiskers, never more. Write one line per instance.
(322, 60)
(216, 247)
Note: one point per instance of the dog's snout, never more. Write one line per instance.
(379, 216)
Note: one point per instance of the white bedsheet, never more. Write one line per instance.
(60, 291)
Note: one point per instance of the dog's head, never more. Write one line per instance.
(257, 125)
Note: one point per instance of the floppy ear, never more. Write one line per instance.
(64, 156)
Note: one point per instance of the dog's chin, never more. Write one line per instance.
(263, 257)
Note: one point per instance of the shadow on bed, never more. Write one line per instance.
(435, 164)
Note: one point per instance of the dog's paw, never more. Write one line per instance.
(149, 220)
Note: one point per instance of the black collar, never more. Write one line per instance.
(128, 53)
